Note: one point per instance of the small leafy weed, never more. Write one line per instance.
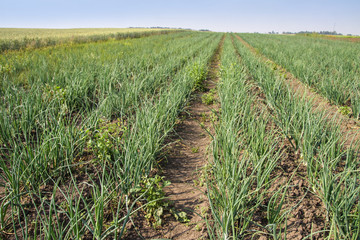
(154, 196)
(180, 216)
(208, 98)
(103, 143)
(345, 110)
(203, 117)
(195, 149)
(198, 73)
(155, 204)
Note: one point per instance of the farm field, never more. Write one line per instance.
(330, 67)
(334, 37)
(20, 33)
(343, 38)
(21, 38)
(181, 135)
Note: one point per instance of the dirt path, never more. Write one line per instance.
(187, 155)
(349, 127)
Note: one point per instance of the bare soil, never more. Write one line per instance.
(186, 156)
(306, 211)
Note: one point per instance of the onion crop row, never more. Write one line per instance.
(243, 156)
(68, 163)
(331, 67)
(33, 118)
(332, 170)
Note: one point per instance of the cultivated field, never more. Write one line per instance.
(330, 67)
(22, 38)
(349, 38)
(181, 135)
(21, 33)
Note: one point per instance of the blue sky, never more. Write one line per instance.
(219, 15)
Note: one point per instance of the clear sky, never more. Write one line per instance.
(217, 15)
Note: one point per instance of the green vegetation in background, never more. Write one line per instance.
(318, 35)
(22, 38)
(21, 33)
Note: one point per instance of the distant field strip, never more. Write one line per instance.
(21, 33)
(21, 38)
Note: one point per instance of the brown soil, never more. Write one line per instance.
(349, 127)
(306, 211)
(31, 199)
(186, 157)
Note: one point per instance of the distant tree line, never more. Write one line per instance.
(158, 27)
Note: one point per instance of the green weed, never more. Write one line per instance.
(105, 141)
(199, 74)
(208, 98)
(345, 110)
(155, 203)
(195, 149)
